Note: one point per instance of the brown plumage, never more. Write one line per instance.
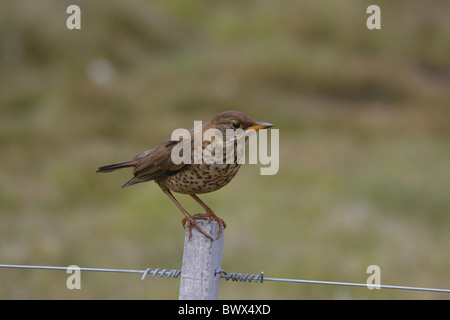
(157, 164)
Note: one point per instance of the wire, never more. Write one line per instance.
(171, 273)
(261, 278)
(352, 284)
(232, 276)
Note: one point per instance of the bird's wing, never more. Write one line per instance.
(155, 164)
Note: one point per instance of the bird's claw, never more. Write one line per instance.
(189, 221)
(203, 216)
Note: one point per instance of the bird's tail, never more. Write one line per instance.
(118, 165)
(134, 162)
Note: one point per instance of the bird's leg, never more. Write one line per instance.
(208, 215)
(188, 219)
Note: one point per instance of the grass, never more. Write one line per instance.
(363, 119)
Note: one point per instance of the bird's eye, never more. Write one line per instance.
(236, 124)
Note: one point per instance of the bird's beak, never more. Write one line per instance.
(260, 125)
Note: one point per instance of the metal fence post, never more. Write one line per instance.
(201, 258)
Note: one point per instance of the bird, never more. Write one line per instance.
(191, 177)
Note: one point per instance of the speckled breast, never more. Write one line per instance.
(201, 178)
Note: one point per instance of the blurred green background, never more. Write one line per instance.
(364, 120)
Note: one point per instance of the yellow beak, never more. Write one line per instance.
(260, 125)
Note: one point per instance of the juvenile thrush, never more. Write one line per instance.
(191, 178)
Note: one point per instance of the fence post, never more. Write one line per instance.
(201, 258)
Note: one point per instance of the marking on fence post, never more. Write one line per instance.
(202, 257)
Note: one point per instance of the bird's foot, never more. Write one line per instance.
(209, 215)
(203, 216)
(189, 221)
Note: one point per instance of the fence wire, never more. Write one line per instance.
(243, 277)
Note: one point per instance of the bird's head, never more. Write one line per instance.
(236, 120)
